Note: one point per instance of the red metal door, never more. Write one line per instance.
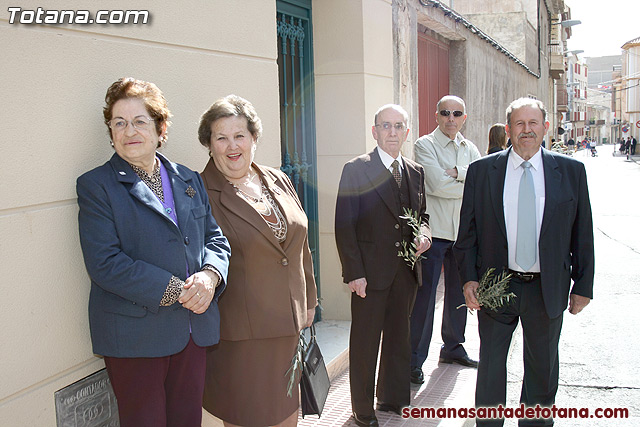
(433, 79)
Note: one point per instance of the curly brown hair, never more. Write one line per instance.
(152, 97)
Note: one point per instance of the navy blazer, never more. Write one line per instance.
(565, 245)
(367, 220)
(132, 248)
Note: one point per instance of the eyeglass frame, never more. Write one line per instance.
(146, 126)
(402, 125)
(447, 113)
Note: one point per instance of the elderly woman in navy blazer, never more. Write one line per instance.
(157, 261)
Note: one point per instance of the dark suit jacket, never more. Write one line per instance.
(271, 285)
(566, 236)
(132, 248)
(367, 223)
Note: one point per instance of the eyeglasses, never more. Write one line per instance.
(140, 122)
(456, 113)
(400, 127)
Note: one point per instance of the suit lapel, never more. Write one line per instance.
(235, 205)
(288, 205)
(496, 177)
(413, 184)
(139, 189)
(179, 185)
(552, 181)
(379, 177)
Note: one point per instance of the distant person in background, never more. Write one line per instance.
(627, 145)
(497, 138)
(587, 146)
(633, 145)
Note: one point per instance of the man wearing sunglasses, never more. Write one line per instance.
(445, 156)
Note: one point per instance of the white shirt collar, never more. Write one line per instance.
(515, 160)
(387, 159)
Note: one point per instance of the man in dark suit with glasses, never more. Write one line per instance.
(374, 189)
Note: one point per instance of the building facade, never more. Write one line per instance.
(631, 85)
(577, 90)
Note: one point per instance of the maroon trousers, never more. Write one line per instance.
(159, 391)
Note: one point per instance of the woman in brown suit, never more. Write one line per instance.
(271, 293)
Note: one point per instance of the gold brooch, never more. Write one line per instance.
(190, 192)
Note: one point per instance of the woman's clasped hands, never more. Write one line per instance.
(198, 291)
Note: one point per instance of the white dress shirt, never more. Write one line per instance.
(510, 196)
(387, 160)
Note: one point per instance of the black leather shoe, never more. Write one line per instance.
(417, 377)
(365, 420)
(388, 407)
(464, 361)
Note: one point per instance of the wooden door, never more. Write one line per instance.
(433, 79)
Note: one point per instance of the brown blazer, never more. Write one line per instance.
(270, 285)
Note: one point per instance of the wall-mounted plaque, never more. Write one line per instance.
(89, 402)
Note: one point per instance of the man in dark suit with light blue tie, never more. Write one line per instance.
(526, 210)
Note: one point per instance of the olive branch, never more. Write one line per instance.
(295, 369)
(492, 292)
(408, 252)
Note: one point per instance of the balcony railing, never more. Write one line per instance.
(556, 61)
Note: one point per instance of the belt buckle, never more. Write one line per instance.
(527, 277)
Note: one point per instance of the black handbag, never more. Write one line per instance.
(314, 385)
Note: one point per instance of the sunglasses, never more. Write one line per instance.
(456, 113)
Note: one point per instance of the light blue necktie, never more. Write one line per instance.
(526, 245)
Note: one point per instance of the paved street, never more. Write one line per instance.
(597, 348)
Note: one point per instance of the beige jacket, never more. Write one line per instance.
(436, 153)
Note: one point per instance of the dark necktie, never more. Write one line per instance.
(396, 172)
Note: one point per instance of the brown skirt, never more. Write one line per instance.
(246, 381)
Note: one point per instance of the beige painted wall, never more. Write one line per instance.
(51, 127)
(353, 59)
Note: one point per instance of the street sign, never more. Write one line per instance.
(625, 128)
(638, 123)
